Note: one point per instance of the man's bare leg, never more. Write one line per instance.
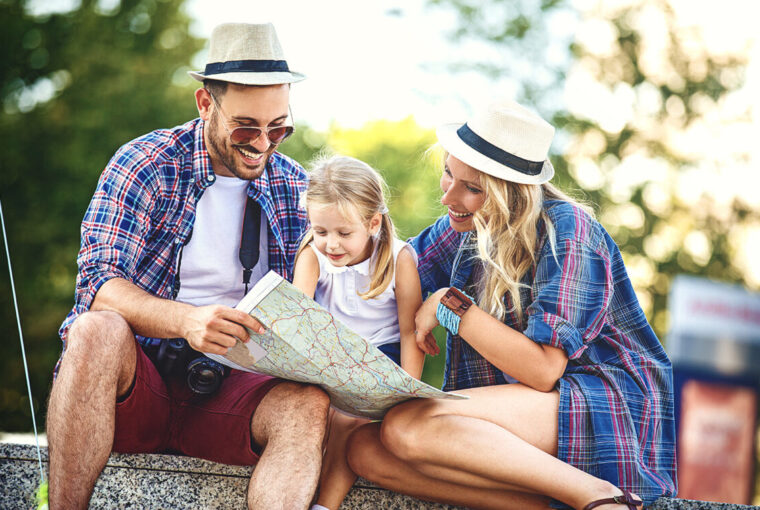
(289, 425)
(98, 365)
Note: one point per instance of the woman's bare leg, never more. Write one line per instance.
(503, 436)
(368, 457)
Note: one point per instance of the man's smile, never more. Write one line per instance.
(254, 157)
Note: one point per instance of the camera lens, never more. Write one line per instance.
(204, 375)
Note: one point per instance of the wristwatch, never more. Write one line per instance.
(456, 301)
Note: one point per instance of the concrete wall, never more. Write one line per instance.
(168, 481)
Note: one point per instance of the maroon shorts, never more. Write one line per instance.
(168, 417)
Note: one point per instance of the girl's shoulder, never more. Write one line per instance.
(399, 246)
(316, 257)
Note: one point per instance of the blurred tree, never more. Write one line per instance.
(637, 106)
(74, 87)
(305, 144)
(399, 151)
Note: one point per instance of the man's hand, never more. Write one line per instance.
(214, 328)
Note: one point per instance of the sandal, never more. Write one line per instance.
(624, 499)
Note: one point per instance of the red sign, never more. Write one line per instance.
(716, 442)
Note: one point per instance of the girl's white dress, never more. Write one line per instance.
(338, 289)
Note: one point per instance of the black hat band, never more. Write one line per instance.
(491, 151)
(247, 66)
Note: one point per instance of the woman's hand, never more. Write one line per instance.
(424, 322)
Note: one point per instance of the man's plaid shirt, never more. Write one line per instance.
(143, 211)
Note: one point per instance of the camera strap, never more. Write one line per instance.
(250, 239)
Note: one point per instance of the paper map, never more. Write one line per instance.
(305, 343)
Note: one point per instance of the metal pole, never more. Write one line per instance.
(21, 337)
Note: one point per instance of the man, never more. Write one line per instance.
(162, 258)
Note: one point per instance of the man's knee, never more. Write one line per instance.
(305, 401)
(291, 408)
(103, 337)
(302, 400)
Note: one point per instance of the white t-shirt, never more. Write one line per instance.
(338, 288)
(210, 270)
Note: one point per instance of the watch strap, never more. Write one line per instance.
(456, 301)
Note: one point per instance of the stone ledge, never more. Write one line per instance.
(152, 481)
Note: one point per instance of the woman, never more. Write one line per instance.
(591, 419)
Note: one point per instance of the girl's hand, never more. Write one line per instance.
(424, 322)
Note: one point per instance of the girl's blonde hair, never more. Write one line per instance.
(507, 236)
(357, 190)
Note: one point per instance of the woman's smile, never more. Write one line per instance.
(459, 217)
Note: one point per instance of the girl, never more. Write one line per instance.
(352, 264)
(590, 422)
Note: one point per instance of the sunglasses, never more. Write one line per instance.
(248, 135)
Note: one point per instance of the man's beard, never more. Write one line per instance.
(226, 154)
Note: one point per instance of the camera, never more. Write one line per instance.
(175, 358)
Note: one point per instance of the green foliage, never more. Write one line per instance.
(399, 151)
(523, 36)
(74, 87)
(304, 144)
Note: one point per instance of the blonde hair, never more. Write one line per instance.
(356, 189)
(506, 228)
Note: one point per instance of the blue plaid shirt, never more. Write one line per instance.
(616, 395)
(143, 212)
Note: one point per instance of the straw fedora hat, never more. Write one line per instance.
(246, 54)
(504, 140)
